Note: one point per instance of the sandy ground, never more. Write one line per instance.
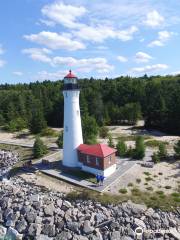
(48, 182)
(170, 177)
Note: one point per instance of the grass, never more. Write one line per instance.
(154, 143)
(129, 137)
(83, 175)
(123, 190)
(138, 180)
(175, 194)
(130, 184)
(49, 132)
(147, 173)
(149, 188)
(148, 179)
(160, 192)
(151, 199)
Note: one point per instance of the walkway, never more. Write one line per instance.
(122, 168)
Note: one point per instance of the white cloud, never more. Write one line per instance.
(2, 63)
(85, 64)
(163, 37)
(142, 57)
(154, 19)
(44, 75)
(54, 40)
(149, 68)
(38, 54)
(18, 73)
(47, 22)
(122, 59)
(63, 14)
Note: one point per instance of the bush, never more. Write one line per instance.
(16, 124)
(149, 188)
(147, 173)
(130, 152)
(110, 141)
(121, 148)
(130, 184)
(39, 149)
(160, 192)
(177, 148)
(49, 132)
(123, 190)
(59, 141)
(155, 158)
(139, 151)
(154, 143)
(103, 132)
(148, 179)
(167, 187)
(162, 153)
(136, 191)
(138, 180)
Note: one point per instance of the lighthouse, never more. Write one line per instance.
(72, 136)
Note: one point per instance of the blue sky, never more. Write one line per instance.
(42, 39)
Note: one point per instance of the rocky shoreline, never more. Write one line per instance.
(28, 211)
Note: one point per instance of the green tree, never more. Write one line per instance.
(131, 112)
(60, 140)
(110, 141)
(103, 132)
(121, 148)
(39, 148)
(139, 151)
(177, 148)
(90, 129)
(16, 124)
(162, 153)
(37, 122)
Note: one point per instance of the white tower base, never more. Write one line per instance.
(72, 137)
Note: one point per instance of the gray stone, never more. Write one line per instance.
(34, 198)
(49, 230)
(21, 226)
(12, 234)
(63, 236)
(49, 210)
(149, 212)
(3, 231)
(115, 235)
(87, 228)
(43, 237)
(67, 204)
(59, 202)
(156, 216)
(73, 226)
(31, 217)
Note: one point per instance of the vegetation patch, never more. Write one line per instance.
(148, 179)
(147, 173)
(149, 188)
(154, 143)
(167, 187)
(138, 180)
(123, 190)
(130, 184)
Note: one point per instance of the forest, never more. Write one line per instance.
(122, 100)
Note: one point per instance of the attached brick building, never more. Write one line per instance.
(97, 159)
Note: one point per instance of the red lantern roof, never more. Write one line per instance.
(70, 75)
(99, 150)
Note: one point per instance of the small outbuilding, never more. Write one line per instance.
(97, 159)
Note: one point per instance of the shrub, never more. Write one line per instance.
(136, 191)
(160, 173)
(121, 148)
(60, 140)
(177, 148)
(155, 158)
(39, 149)
(147, 173)
(162, 153)
(148, 179)
(175, 194)
(167, 187)
(139, 151)
(146, 183)
(149, 188)
(123, 190)
(138, 180)
(16, 124)
(160, 192)
(130, 184)
(110, 141)
(49, 132)
(103, 132)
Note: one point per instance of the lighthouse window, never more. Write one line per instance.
(77, 112)
(66, 128)
(97, 161)
(66, 94)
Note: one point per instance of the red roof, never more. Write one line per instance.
(70, 75)
(99, 150)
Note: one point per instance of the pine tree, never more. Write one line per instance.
(39, 149)
(121, 148)
(139, 151)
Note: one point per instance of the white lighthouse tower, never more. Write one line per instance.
(72, 137)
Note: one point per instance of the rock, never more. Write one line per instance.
(59, 203)
(21, 226)
(3, 231)
(156, 216)
(63, 236)
(43, 237)
(73, 226)
(87, 228)
(34, 198)
(149, 212)
(115, 235)
(12, 234)
(31, 217)
(140, 223)
(49, 210)
(49, 229)
(67, 204)
(79, 237)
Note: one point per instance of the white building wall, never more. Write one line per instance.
(106, 173)
(72, 137)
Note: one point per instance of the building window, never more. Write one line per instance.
(66, 128)
(110, 159)
(97, 161)
(87, 159)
